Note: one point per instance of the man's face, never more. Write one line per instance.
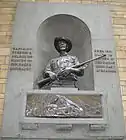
(62, 45)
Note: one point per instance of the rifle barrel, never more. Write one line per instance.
(83, 63)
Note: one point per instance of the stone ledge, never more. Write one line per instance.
(73, 1)
(7, 4)
(5, 39)
(5, 28)
(4, 51)
(3, 81)
(7, 10)
(121, 54)
(122, 75)
(122, 62)
(3, 73)
(5, 45)
(1, 96)
(1, 103)
(120, 21)
(2, 59)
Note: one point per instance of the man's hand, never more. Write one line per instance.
(79, 71)
(66, 72)
(85, 66)
(52, 75)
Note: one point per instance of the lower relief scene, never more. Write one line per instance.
(63, 106)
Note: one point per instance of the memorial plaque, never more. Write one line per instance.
(57, 106)
(21, 59)
(63, 81)
(106, 64)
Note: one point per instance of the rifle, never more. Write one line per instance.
(43, 82)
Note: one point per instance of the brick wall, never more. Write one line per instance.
(7, 14)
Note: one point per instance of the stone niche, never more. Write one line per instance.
(98, 98)
(77, 31)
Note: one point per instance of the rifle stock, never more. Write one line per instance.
(43, 82)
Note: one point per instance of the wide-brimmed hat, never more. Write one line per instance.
(68, 42)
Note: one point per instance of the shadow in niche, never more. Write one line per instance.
(77, 31)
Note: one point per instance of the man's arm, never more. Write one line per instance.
(48, 72)
(77, 71)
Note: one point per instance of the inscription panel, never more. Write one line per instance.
(21, 59)
(106, 64)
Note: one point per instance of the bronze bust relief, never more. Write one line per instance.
(61, 70)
